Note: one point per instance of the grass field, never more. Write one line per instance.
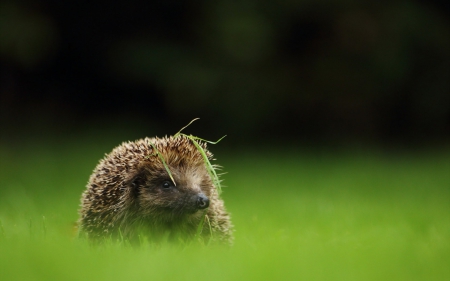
(299, 215)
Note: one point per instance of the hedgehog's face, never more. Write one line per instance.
(158, 197)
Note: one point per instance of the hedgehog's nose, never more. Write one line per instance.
(202, 201)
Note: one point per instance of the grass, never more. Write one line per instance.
(299, 215)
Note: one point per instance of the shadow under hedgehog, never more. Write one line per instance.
(131, 193)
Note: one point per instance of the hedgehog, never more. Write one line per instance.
(158, 188)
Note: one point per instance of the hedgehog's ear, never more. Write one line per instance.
(137, 181)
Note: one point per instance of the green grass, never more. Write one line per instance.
(299, 215)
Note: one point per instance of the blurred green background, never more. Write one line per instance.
(337, 158)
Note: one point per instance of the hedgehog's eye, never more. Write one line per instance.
(167, 184)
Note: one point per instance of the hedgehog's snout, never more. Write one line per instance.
(201, 201)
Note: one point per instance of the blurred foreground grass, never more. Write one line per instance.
(299, 215)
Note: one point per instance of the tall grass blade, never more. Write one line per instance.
(164, 163)
(200, 227)
(209, 167)
(179, 132)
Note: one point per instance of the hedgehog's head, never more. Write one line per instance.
(154, 193)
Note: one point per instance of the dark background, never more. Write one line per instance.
(260, 71)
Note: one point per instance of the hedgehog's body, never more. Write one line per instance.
(130, 193)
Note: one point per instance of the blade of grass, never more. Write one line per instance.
(200, 227)
(209, 167)
(195, 119)
(211, 142)
(121, 235)
(210, 228)
(164, 163)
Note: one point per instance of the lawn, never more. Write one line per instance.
(299, 214)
